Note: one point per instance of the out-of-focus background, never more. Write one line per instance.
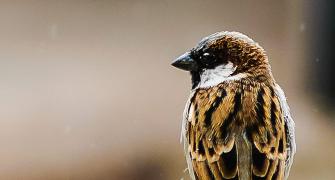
(87, 90)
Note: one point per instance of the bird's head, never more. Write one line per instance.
(224, 56)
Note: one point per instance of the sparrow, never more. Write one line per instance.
(236, 123)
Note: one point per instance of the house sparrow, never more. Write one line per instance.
(237, 123)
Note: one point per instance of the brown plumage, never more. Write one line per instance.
(237, 123)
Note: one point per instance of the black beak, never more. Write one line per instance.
(185, 62)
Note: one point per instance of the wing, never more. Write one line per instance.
(210, 149)
(267, 135)
(271, 135)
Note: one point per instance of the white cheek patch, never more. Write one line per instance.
(213, 77)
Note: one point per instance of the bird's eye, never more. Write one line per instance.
(207, 58)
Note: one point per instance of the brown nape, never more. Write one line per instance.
(248, 57)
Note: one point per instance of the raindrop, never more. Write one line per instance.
(302, 27)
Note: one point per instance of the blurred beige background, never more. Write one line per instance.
(87, 90)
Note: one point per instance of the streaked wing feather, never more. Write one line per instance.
(268, 137)
(213, 154)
